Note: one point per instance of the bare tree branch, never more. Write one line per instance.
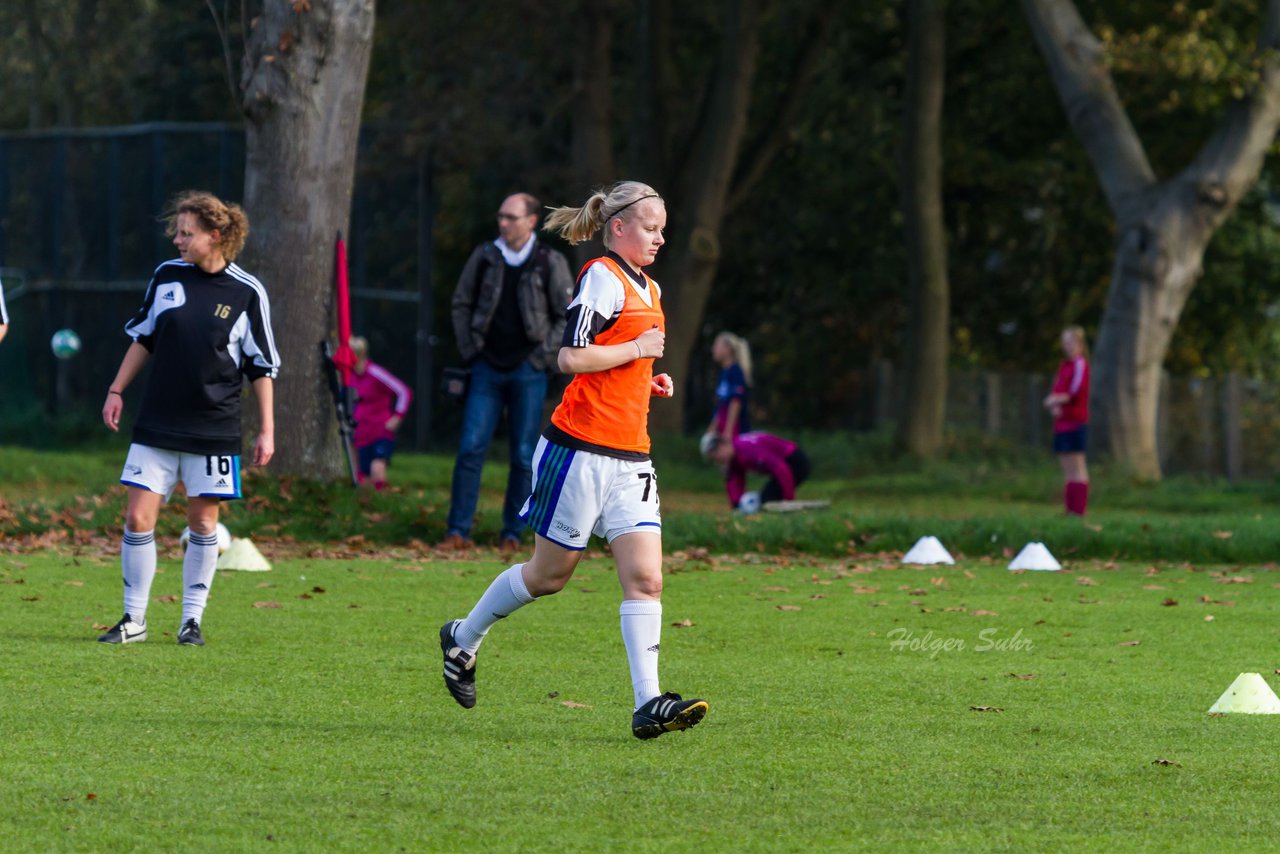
(220, 23)
(774, 136)
(1088, 94)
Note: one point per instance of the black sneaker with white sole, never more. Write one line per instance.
(189, 634)
(125, 631)
(459, 667)
(666, 713)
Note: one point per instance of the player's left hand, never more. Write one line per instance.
(264, 448)
(663, 386)
(393, 423)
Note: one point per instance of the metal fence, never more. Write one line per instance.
(79, 239)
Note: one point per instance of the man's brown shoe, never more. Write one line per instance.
(455, 543)
(509, 546)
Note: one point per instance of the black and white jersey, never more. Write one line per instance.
(205, 333)
(4, 312)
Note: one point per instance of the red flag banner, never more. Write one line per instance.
(343, 358)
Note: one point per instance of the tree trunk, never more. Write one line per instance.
(592, 138)
(699, 195)
(1157, 265)
(920, 430)
(304, 80)
(1163, 228)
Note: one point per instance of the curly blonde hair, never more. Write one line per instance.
(213, 214)
(578, 224)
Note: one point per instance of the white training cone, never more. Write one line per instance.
(243, 555)
(1248, 695)
(927, 550)
(1034, 556)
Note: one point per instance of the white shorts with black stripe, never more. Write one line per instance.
(159, 470)
(578, 493)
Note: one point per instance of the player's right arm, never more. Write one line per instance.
(134, 359)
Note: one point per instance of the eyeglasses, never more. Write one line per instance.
(506, 217)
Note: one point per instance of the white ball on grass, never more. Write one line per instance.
(224, 538)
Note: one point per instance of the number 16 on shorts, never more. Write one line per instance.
(160, 470)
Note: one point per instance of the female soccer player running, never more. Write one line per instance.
(592, 472)
(204, 325)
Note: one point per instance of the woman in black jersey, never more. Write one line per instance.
(204, 325)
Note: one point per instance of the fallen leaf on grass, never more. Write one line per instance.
(74, 583)
(1222, 535)
(775, 589)
(267, 605)
(1154, 587)
(981, 613)
(1023, 675)
(1086, 581)
(572, 705)
(955, 608)
(1208, 618)
(30, 598)
(167, 598)
(985, 709)
(265, 584)
(1130, 643)
(1092, 527)
(686, 623)
(877, 604)
(99, 627)
(317, 589)
(866, 590)
(787, 607)
(90, 797)
(1166, 762)
(1234, 579)
(1169, 603)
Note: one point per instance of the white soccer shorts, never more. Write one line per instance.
(578, 493)
(158, 470)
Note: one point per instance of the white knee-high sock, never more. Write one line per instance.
(641, 632)
(198, 566)
(138, 560)
(505, 595)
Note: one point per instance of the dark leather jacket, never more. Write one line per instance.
(544, 292)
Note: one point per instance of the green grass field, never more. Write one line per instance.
(844, 695)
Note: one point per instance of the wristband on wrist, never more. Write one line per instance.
(639, 352)
(113, 391)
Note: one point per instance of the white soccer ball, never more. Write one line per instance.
(749, 502)
(224, 538)
(65, 343)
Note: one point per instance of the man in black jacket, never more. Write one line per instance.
(508, 318)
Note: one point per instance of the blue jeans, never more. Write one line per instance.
(521, 391)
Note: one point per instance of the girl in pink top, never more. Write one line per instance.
(782, 460)
(1068, 402)
(382, 401)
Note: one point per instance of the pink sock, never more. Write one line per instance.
(1076, 496)
(379, 485)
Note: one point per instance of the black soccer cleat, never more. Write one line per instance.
(125, 631)
(459, 668)
(666, 713)
(189, 634)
